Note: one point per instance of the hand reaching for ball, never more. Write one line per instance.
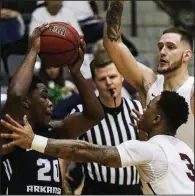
(34, 41)
(75, 67)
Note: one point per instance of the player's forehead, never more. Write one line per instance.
(154, 101)
(41, 87)
(174, 38)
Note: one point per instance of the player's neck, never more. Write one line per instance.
(175, 79)
(111, 102)
(52, 11)
(161, 130)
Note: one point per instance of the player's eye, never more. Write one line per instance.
(112, 77)
(44, 95)
(101, 79)
(171, 47)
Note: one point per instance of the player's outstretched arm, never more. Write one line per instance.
(135, 73)
(70, 150)
(76, 124)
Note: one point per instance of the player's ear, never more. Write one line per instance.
(187, 55)
(156, 119)
(26, 102)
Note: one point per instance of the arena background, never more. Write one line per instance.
(143, 23)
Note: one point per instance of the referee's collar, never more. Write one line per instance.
(112, 111)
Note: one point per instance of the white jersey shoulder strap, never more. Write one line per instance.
(155, 89)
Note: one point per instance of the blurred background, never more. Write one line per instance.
(142, 25)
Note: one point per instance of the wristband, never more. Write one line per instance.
(39, 143)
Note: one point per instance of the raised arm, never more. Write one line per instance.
(78, 123)
(137, 74)
(21, 80)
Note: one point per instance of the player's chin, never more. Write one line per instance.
(163, 70)
(47, 119)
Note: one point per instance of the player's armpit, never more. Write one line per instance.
(81, 151)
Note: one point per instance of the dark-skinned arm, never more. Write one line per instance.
(126, 154)
(21, 80)
(70, 150)
(19, 85)
(77, 123)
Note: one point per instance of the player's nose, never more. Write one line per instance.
(50, 105)
(108, 81)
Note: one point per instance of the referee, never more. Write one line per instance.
(113, 130)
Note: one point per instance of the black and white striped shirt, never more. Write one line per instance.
(113, 130)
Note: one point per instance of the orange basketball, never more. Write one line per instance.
(59, 45)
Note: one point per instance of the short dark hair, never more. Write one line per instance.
(184, 35)
(101, 59)
(35, 80)
(175, 109)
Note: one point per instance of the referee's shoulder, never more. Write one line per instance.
(134, 103)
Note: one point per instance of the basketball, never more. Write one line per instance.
(59, 45)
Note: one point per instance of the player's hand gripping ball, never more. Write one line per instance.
(59, 45)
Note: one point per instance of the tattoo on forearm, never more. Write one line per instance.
(56, 148)
(113, 20)
(81, 151)
(109, 157)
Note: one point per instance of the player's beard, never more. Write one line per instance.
(171, 67)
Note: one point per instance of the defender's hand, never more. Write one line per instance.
(75, 67)
(34, 40)
(22, 136)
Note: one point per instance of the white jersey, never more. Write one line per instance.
(165, 164)
(186, 131)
